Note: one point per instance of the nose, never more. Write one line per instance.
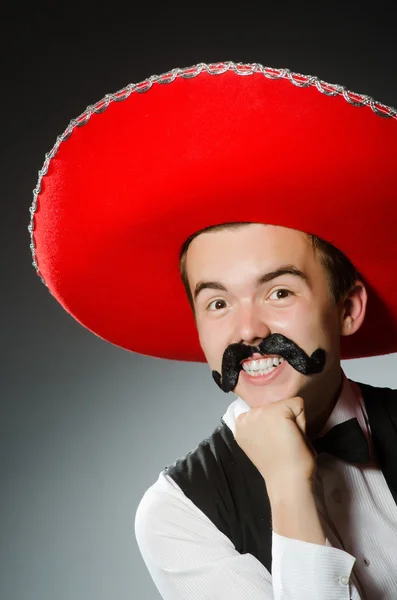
(251, 328)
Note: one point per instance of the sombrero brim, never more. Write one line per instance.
(136, 174)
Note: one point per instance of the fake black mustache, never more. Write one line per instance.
(275, 343)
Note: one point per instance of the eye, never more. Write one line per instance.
(281, 294)
(215, 304)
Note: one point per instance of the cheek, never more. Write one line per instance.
(322, 328)
(294, 322)
(331, 327)
(310, 326)
(212, 341)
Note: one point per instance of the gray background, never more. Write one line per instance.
(85, 427)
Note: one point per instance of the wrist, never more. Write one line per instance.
(291, 489)
(294, 512)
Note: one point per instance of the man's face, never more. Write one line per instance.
(300, 307)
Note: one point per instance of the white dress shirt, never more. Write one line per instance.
(188, 558)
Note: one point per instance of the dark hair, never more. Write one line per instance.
(341, 272)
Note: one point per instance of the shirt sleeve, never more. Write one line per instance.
(304, 570)
(188, 558)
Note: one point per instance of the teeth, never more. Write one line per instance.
(262, 366)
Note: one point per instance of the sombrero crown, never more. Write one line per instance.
(143, 169)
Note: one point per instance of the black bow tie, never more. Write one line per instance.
(346, 441)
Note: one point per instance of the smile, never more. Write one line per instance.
(263, 366)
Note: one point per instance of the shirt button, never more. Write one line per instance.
(366, 562)
(337, 496)
(344, 580)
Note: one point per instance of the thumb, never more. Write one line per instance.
(297, 407)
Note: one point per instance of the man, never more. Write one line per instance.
(248, 194)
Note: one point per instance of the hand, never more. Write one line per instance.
(274, 439)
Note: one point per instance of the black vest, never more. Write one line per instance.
(227, 487)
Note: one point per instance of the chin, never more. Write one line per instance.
(259, 393)
(257, 399)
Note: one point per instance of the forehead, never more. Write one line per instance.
(245, 250)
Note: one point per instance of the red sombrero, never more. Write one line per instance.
(140, 171)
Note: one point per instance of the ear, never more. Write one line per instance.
(353, 309)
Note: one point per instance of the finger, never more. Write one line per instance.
(301, 421)
(296, 406)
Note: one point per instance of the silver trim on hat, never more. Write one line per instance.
(297, 79)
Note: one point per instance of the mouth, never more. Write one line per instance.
(263, 377)
(259, 365)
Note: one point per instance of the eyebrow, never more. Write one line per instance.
(265, 278)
